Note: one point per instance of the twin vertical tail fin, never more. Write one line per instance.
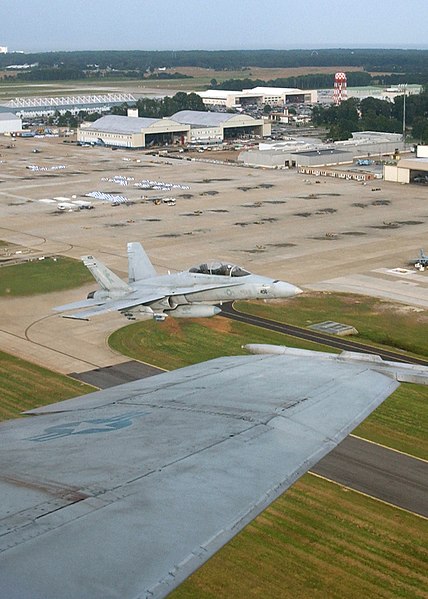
(139, 265)
(105, 278)
(139, 268)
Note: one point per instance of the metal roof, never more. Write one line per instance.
(414, 164)
(121, 124)
(8, 116)
(326, 152)
(275, 90)
(203, 119)
(217, 93)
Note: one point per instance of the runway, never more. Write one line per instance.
(377, 471)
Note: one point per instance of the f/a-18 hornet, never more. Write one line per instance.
(188, 294)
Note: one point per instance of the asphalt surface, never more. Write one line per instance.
(383, 473)
(379, 472)
(117, 374)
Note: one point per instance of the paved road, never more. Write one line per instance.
(372, 469)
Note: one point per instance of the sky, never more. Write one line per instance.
(46, 25)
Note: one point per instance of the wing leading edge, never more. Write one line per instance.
(141, 297)
(125, 492)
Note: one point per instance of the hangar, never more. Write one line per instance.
(274, 96)
(186, 126)
(9, 123)
(131, 131)
(407, 170)
(44, 106)
(216, 127)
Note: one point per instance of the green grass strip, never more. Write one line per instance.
(42, 276)
(319, 540)
(383, 323)
(25, 386)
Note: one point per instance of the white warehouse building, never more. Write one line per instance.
(273, 96)
(9, 123)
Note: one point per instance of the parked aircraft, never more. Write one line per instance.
(187, 294)
(67, 206)
(422, 261)
(123, 493)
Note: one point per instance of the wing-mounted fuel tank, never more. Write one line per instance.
(194, 311)
(159, 313)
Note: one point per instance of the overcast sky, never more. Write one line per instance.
(39, 25)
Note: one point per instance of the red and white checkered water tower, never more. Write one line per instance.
(340, 93)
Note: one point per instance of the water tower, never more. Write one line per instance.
(339, 94)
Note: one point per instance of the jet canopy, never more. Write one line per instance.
(222, 269)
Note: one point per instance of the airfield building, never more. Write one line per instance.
(299, 152)
(212, 127)
(131, 132)
(260, 96)
(186, 126)
(9, 123)
(409, 170)
(45, 106)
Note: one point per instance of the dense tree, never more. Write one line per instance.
(420, 130)
(373, 114)
(394, 61)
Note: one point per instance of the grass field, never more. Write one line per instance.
(378, 321)
(42, 276)
(201, 79)
(401, 422)
(319, 540)
(25, 386)
(180, 342)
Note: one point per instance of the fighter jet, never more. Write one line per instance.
(188, 294)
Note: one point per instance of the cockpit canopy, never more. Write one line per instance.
(222, 269)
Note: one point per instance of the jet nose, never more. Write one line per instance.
(283, 289)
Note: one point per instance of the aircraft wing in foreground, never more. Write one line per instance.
(123, 493)
(187, 294)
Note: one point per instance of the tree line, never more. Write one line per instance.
(322, 80)
(373, 114)
(371, 60)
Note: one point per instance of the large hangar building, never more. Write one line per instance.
(131, 132)
(212, 127)
(29, 107)
(409, 170)
(9, 123)
(186, 126)
(272, 96)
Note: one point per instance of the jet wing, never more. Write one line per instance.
(86, 303)
(124, 492)
(145, 296)
(107, 305)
